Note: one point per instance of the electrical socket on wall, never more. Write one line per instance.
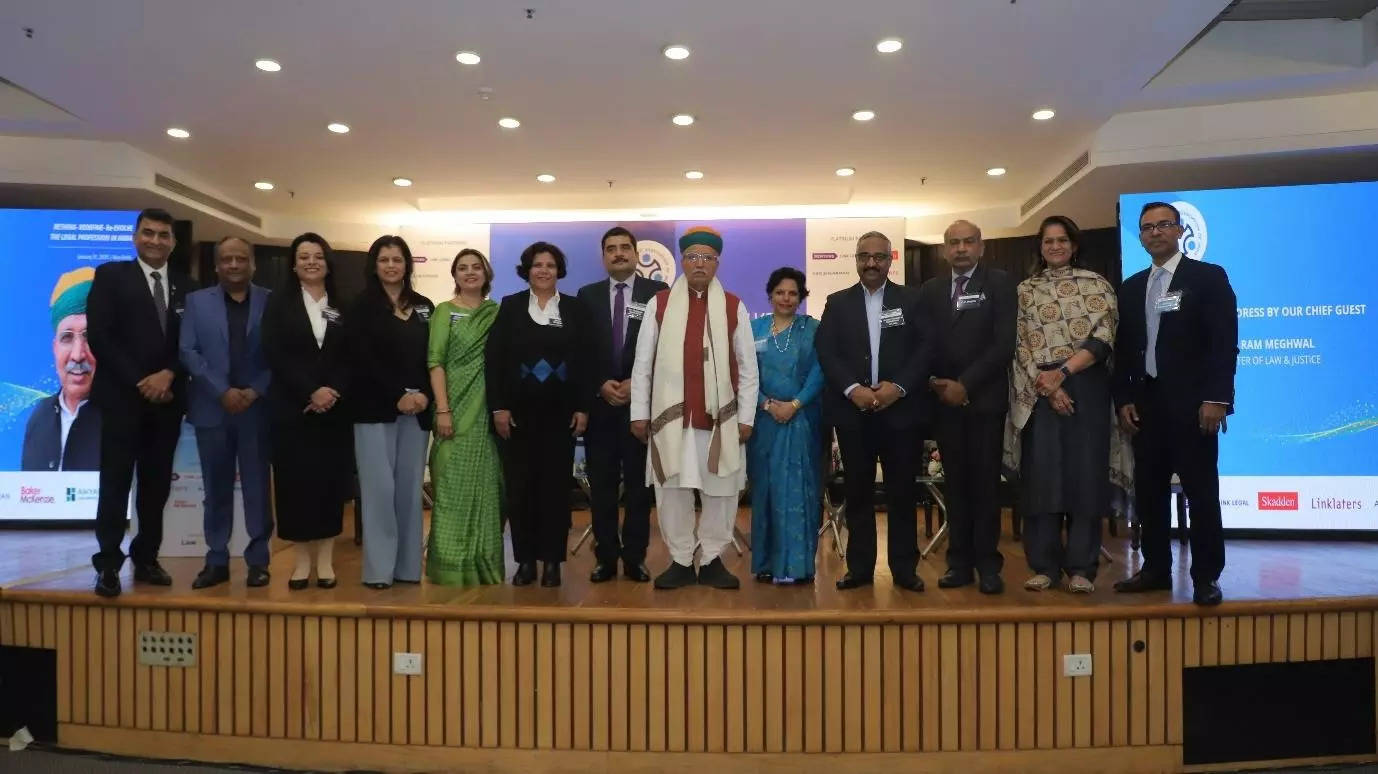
(1076, 665)
(406, 663)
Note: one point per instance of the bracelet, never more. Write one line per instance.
(438, 411)
(797, 405)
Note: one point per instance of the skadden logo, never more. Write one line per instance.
(655, 261)
(823, 256)
(34, 495)
(1194, 237)
(1277, 501)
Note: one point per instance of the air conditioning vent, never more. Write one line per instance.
(1056, 183)
(181, 189)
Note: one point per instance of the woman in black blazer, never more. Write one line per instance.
(313, 456)
(539, 392)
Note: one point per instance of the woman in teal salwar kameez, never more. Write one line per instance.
(783, 456)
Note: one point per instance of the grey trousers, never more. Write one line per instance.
(391, 458)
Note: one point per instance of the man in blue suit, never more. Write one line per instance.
(222, 351)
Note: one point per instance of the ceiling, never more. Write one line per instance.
(772, 83)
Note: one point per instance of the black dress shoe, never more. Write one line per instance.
(1144, 581)
(715, 574)
(257, 577)
(379, 586)
(676, 576)
(636, 572)
(211, 576)
(526, 573)
(909, 583)
(991, 584)
(152, 573)
(297, 584)
(551, 577)
(326, 583)
(850, 581)
(603, 573)
(1207, 594)
(764, 577)
(955, 579)
(108, 583)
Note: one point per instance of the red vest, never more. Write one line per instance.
(695, 354)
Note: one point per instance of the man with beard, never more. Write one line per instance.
(63, 432)
(615, 457)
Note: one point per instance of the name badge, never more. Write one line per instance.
(891, 318)
(1168, 302)
(457, 316)
(636, 311)
(179, 310)
(331, 314)
(555, 322)
(761, 345)
(970, 301)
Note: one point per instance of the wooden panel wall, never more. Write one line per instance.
(649, 687)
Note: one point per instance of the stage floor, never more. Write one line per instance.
(57, 564)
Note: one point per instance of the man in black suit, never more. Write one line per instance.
(616, 306)
(133, 314)
(1175, 356)
(874, 352)
(972, 312)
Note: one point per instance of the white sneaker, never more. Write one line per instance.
(1038, 582)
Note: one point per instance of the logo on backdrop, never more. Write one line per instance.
(1277, 501)
(1193, 241)
(655, 261)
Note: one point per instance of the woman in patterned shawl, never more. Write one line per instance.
(1060, 411)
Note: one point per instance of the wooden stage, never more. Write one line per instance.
(620, 676)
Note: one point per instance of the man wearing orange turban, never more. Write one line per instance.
(63, 432)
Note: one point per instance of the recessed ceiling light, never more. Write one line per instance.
(676, 52)
(338, 128)
(694, 174)
(179, 133)
(995, 171)
(467, 58)
(846, 172)
(268, 65)
(401, 182)
(263, 185)
(509, 123)
(545, 178)
(889, 45)
(864, 115)
(1043, 114)
(683, 119)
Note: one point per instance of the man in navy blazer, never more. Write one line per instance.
(223, 353)
(1175, 355)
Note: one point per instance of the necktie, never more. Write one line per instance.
(158, 302)
(1155, 290)
(619, 322)
(958, 285)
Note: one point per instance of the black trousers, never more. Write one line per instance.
(135, 440)
(1170, 441)
(538, 465)
(616, 458)
(970, 443)
(861, 444)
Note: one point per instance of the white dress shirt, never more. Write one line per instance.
(67, 418)
(315, 313)
(952, 285)
(543, 315)
(694, 451)
(162, 274)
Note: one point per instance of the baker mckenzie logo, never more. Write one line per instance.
(655, 261)
(34, 496)
(1194, 237)
(1277, 501)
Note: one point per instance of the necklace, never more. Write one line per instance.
(775, 336)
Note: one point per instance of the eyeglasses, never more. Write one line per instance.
(69, 337)
(700, 258)
(865, 258)
(1160, 226)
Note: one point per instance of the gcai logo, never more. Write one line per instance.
(655, 261)
(1194, 237)
(1277, 501)
(71, 494)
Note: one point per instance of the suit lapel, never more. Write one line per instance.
(973, 287)
(141, 282)
(257, 298)
(222, 322)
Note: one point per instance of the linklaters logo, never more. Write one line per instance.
(1194, 236)
(1277, 501)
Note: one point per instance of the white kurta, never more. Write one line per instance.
(694, 472)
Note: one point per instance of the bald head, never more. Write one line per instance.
(962, 245)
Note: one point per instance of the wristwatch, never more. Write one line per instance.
(1065, 371)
